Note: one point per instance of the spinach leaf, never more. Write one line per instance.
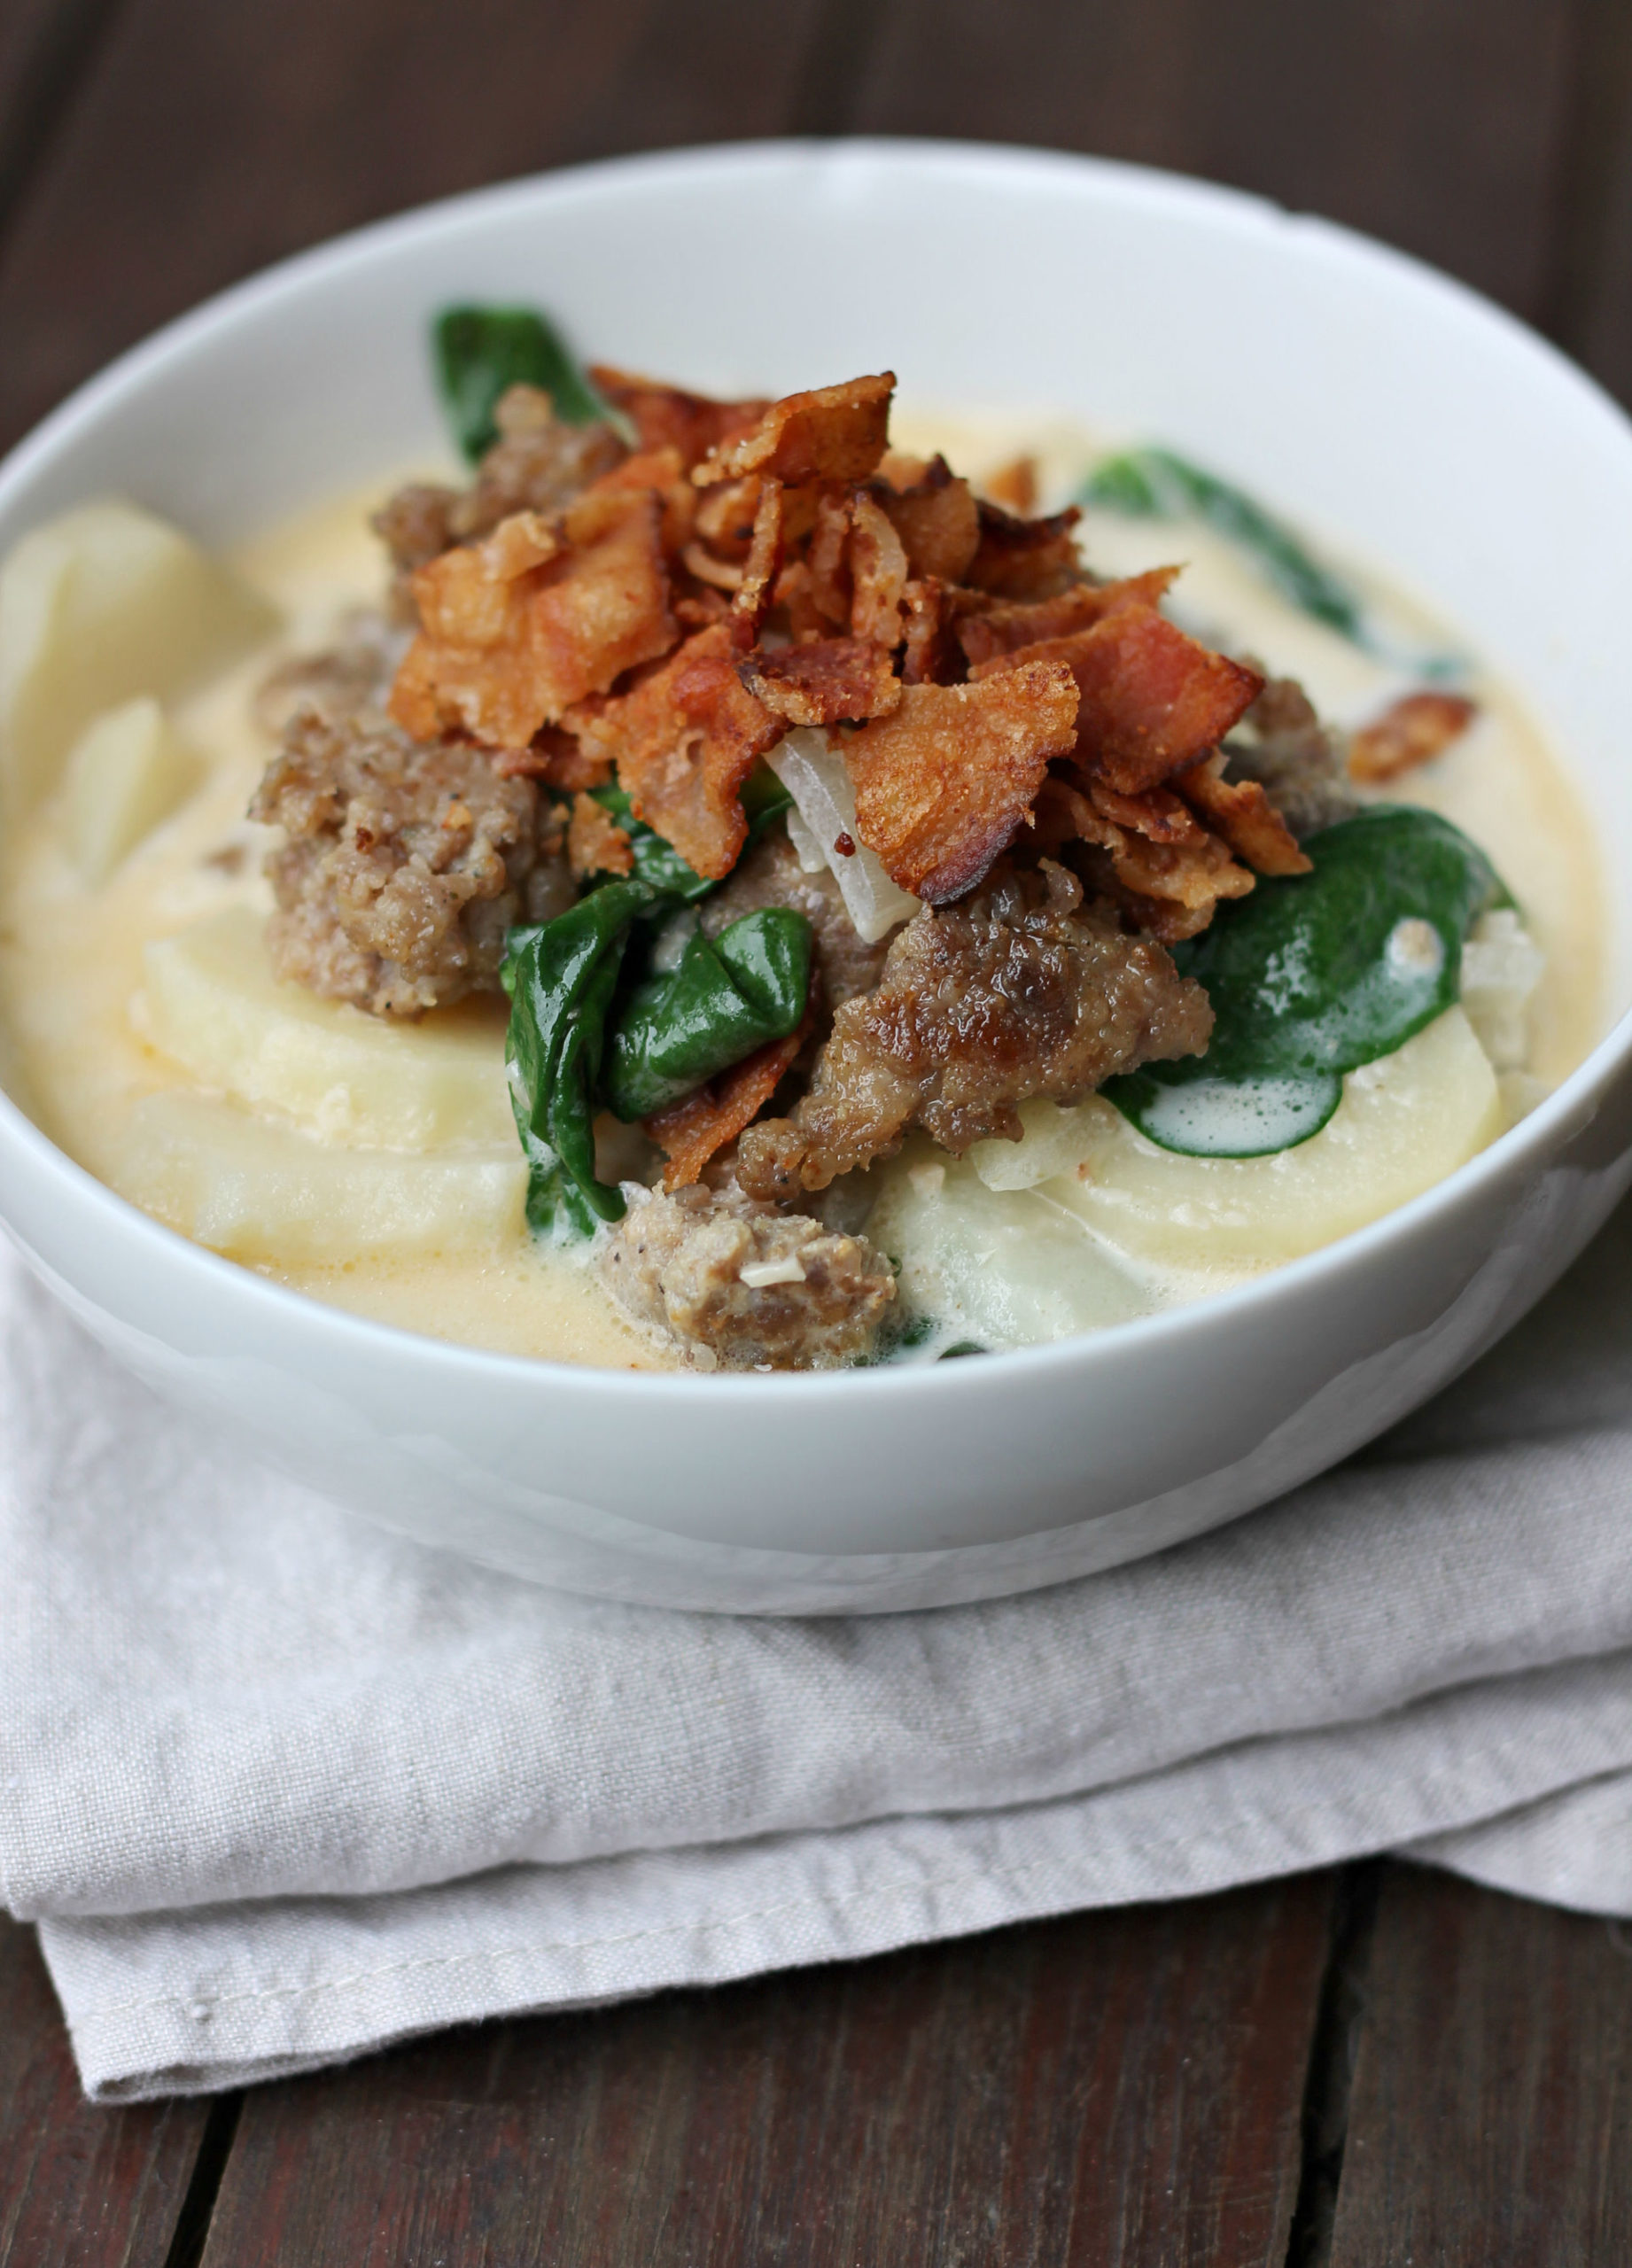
(1155, 483)
(480, 350)
(562, 977)
(1311, 976)
(727, 996)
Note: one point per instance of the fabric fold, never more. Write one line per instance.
(280, 1787)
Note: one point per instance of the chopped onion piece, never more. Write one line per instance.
(760, 1273)
(1502, 965)
(813, 859)
(812, 771)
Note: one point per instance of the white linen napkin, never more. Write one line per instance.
(280, 1788)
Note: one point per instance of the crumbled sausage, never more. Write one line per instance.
(1293, 758)
(741, 1286)
(1016, 990)
(539, 463)
(403, 863)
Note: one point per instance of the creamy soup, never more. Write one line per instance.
(417, 1220)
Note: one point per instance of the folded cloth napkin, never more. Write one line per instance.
(280, 1788)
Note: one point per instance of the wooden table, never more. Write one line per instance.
(1376, 2065)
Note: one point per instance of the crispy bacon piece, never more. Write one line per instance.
(726, 514)
(1013, 486)
(854, 572)
(1006, 626)
(722, 574)
(691, 1131)
(684, 741)
(1158, 814)
(1152, 699)
(931, 655)
(830, 681)
(1024, 559)
(942, 784)
(1157, 860)
(764, 563)
(667, 417)
(827, 577)
(877, 560)
(697, 605)
(468, 593)
(538, 464)
(1416, 729)
(900, 470)
(664, 471)
(831, 433)
(1240, 814)
(937, 522)
(557, 758)
(596, 843)
(519, 627)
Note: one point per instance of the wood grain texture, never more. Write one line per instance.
(79, 2187)
(1116, 2088)
(214, 136)
(1493, 2087)
(45, 46)
(1434, 125)
(1591, 315)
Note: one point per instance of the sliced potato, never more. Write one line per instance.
(1004, 1268)
(261, 1191)
(126, 771)
(215, 1006)
(1402, 1125)
(107, 602)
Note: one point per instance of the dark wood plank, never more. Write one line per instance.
(1592, 312)
(1493, 2089)
(1437, 127)
(1115, 2087)
(78, 2186)
(45, 48)
(214, 136)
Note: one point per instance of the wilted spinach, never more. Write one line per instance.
(590, 1027)
(1313, 975)
(728, 996)
(1156, 484)
(481, 351)
(562, 977)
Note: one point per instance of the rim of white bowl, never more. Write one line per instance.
(1575, 1100)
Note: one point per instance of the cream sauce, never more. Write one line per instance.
(71, 970)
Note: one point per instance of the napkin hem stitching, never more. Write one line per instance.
(587, 1944)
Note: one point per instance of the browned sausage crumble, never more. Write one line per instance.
(1015, 992)
(402, 866)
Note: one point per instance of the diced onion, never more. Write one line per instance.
(1502, 965)
(813, 859)
(760, 1273)
(812, 771)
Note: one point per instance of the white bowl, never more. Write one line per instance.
(1391, 409)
